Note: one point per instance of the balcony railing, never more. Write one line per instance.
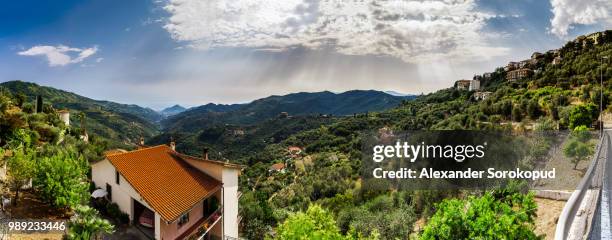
(204, 226)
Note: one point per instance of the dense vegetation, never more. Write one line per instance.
(121, 123)
(320, 193)
(561, 96)
(38, 148)
(295, 104)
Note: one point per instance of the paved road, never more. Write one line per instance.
(601, 228)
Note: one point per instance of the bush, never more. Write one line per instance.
(112, 209)
(124, 218)
(582, 115)
(87, 224)
(114, 212)
(60, 178)
(484, 217)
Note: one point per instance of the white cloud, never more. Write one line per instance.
(60, 55)
(414, 31)
(568, 13)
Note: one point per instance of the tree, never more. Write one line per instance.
(578, 147)
(256, 213)
(583, 114)
(20, 99)
(486, 217)
(516, 114)
(86, 224)
(545, 124)
(388, 215)
(20, 169)
(82, 118)
(533, 109)
(315, 223)
(61, 179)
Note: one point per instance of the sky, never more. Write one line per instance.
(157, 53)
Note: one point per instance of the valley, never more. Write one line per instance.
(303, 153)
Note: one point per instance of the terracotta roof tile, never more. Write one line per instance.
(165, 182)
(277, 166)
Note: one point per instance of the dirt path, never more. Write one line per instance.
(548, 214)
(567, 178)
(37, 236)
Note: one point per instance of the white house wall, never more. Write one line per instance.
(103, 172)
(213, 170)
(229, 178)
(230, 202)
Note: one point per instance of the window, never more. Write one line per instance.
(117, 177)
(109, 192)
(183, 219)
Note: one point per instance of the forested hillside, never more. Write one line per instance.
(295, 104)
(121, 123)
(303, 150)
(562, 93)
(37, 148)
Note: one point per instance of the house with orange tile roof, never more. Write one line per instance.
(169, 195)
(277, 167)
(294, 151)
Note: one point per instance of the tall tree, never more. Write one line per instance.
(20, 169)
(61, 178)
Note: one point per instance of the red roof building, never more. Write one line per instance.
(187, 196)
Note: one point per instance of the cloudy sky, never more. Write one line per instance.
(159, 53)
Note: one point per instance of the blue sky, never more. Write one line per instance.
(190, 52)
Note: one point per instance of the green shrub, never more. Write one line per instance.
(113, 211)
(486, 217)
(124, 218)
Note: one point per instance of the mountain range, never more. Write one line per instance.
(295, 104)
(169, 111)
(129, 122)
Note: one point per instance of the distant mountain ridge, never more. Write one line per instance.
(302, 103)
(169, 111)
(212, 107)
(128, 122)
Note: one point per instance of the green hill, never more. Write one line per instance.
(114, 121)
(558, 94)
(169, 111)
(295, 104)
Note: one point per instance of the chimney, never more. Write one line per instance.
(141, 141)
(172, 144)
(205, 153)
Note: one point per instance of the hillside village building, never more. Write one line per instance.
(536, 55)
(172, 195)
(511, 66)
(64, 115)
(593, 37)
(277, 167)
(519, 74)
(479, 96)
(467, 85)
(474, 85)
